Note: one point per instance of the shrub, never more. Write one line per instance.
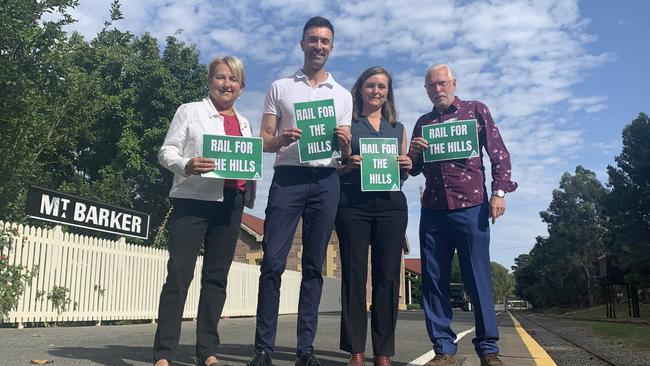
(413, 307)
(13, 278)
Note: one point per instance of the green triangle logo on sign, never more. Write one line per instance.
(257, 176)
(395, 187)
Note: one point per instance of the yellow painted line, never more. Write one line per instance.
(538, 354)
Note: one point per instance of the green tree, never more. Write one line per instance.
(88, 117)
(502, 282)
(136, 92)
(560, 270)
(525, 278)
(455, 277)
(39, 92)
(416, 290)
(628, 204)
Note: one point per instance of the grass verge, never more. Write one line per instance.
(598, 313)
(637, 335)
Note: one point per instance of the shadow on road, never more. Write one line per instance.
(228, 354)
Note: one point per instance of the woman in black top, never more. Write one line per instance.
(366, 219)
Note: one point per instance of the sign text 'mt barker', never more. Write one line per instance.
(68, 209)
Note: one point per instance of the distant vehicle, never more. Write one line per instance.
(517, 305)
(459, 297)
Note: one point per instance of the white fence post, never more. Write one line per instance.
(114, 280)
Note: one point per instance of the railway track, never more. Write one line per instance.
(605, 359)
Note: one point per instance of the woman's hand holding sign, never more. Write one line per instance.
(197, 166)
(405, 165)
(353, 163)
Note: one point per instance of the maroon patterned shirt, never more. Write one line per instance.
(460, 183)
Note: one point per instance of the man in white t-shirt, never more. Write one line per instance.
(307, 190)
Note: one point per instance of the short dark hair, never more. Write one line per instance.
(317, 21)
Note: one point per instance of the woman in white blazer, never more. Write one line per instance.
(205, 210)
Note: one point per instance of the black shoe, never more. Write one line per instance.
(261, 358)
(308, 359)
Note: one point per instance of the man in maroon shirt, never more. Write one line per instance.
(455, 217)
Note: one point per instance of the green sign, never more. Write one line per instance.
(235, 157)
(379, 167)
(317, 120)
(451, 140)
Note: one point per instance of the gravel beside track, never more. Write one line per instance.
(570, 344)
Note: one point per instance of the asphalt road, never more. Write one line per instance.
(131, 344)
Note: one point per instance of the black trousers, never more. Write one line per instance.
(365, 219)
(216, 225)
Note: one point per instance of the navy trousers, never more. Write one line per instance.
(313, 194)
(468, 232)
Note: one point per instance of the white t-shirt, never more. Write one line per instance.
(280, 101)
(184, 141)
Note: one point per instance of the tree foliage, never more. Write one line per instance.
(38, 97)
(586, 220)
(88, 117)
(628, 204)
(502, 283)
(561, 268)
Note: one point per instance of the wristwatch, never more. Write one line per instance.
(499, 193)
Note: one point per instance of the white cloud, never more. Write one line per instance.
(523, 58)
(229, 38)
(607, 148)
(588, 104)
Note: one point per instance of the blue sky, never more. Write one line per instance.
(561, 77)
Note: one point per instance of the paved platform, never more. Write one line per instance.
(131, 344)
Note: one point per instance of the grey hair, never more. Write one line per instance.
(437, 66)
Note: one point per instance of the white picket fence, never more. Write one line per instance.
(113, 280)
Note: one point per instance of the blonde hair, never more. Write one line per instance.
(235, 64)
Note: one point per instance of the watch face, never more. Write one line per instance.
(499, 193)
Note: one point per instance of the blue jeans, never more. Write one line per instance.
(467, 231)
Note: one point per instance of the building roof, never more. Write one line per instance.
(253, 225)
(413, 265)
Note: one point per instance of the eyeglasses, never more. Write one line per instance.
(441, 83)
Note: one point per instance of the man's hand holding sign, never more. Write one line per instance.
(455, 140)
(320, 137)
